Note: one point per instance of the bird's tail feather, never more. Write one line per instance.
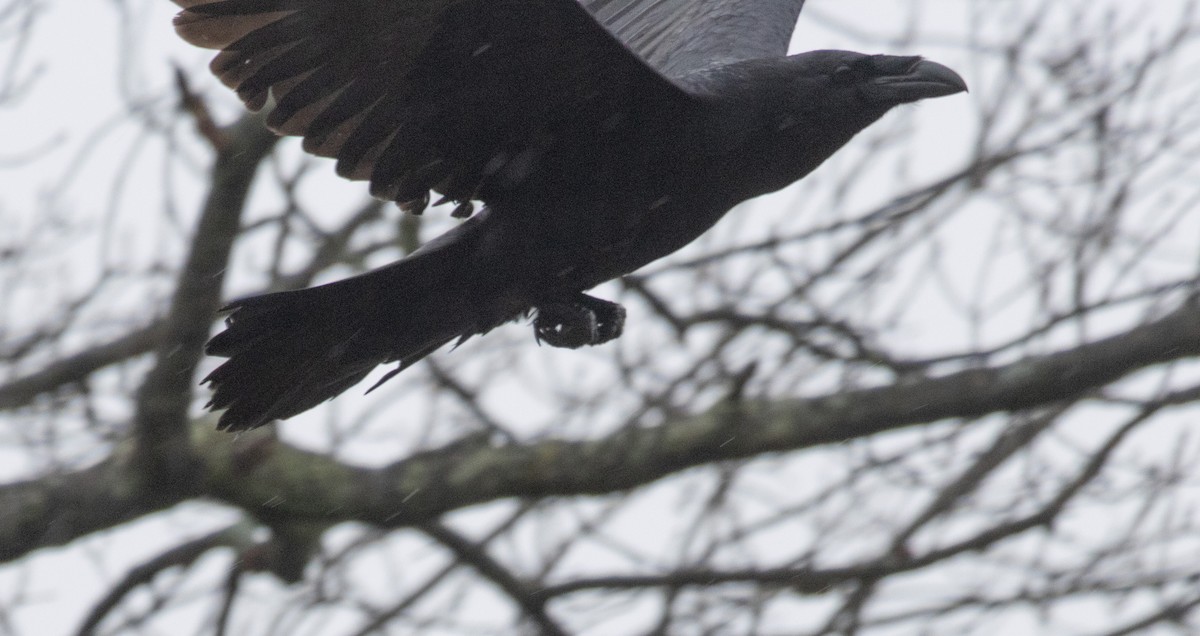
(290, 351)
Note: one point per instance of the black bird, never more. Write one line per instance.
(599, 136)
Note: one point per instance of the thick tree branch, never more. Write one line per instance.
(281, 484)
(57, 509)
(807, 580)
(417, 489)
(164, 397)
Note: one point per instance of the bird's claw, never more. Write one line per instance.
(582, 321)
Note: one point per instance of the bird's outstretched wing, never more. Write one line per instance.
(456, 96)
(680, 36)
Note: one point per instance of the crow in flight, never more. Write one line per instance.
(599, 135)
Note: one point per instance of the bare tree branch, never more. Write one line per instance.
(165, 396)
(183, 555)
(429, 484)
(76, 368)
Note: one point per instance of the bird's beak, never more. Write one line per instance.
(922, 80)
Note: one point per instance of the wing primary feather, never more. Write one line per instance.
(283, 68)
(239, 7)
(356, 100)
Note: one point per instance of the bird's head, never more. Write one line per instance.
(790, 114)
(872, 82)
(843, 92)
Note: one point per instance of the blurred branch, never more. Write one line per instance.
(17, 20)
(307, 485)
(333, 248)
(165, 396)
(191, 103)
(1005, 447)
(76, 368)
(1174, 614)
(57, 509)
(813, 581)
(238, 535)
(382, 618)
(280, 483)
(475, 555)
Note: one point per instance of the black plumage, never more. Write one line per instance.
(597, 144)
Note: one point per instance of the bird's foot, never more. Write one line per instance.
(584, 320)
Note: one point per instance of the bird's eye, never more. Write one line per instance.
(843, 75)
